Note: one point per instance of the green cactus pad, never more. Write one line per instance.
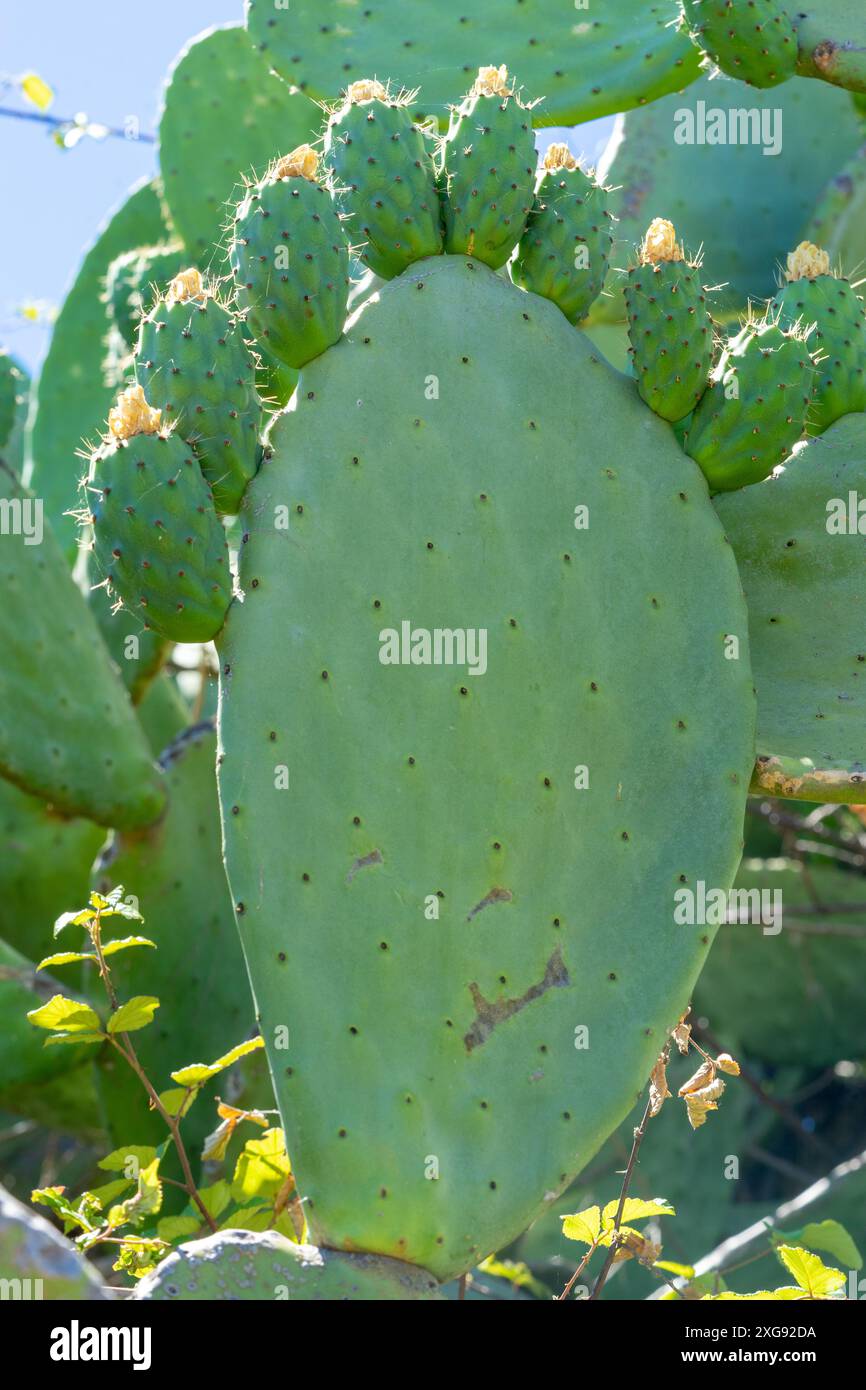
(745, 208)
(671, 334)
(157, 539)
(790, 997)
(45, 863)
(134, 281)
(194, 364)
(290, 260)
(754, 409)
(838, 340)
(72, 395)
(586, 65)
(838, 222)
(831, 41)
(197, 970)
(430, 866)
(489, 174)
(68, 732)
(246, 1265)
(137, 651)
(753, 40)
(14, 394)
(225, 116)
(163, 713)
(565, 250)
(32, 1249)
(383, 167)
(803, 584)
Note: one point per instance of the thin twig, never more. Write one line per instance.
(632, 1160)
(66, 122)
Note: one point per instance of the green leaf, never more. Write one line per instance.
(583, 1225)
(216, 1197)
(193, 1075)
(252, 1218)
(177, 1101)
(636, 1209)
(65, 1015)
(112, 947)
(147, 1199)
(172, 1228)
(814, 1277)
(199, 1072)
(74, 1038)
(56, 1200)
(234, 1055)
(106, 1194)
(516, 1273)
(783, 1295)
(262, 1168)
(118, 1160)
(832, 1237)
(134, 1014)
(82, 918)
(684, 1271)
(65, 958)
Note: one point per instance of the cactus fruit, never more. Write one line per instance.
(743, 199)
(384, 171)
(34, 1252)
(813, 295)
(565, 250)
(197, 969)
(488, 167)
(669, 325)
(72, 397)
(195, 366)
(753, 40)
(68, 732)
(157, 539)
(612, 62)
(247, 1265)
(223, 113)
(755, 407)
(290, 260)
(406, 853)
(131, 284)
(800, 551)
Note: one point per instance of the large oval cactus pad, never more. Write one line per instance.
(432, 908)
(584, 65)
(805, 583)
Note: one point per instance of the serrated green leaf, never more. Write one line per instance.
(107, 1193)
(134, 1014)
(683, 1271)
(56, 1200)
(65, 1016)
(65, 958)
(583, 1225)
(172, 1228)
(192, 1075)
(262, 1168)
(252, 1218)
(814, 1277)
(118, 1159)
(177, 1100)
(198, 1072)
(112, 947)
(832, 1237)
(216, 1197)
(234, 1054)
(636, 1209)
(83, 917)
(56, 1038)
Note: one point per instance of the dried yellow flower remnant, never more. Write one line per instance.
(725, 1062)
(491, 82)
(700, 1103)
(660, 243)
(807, 261)
(186, 285)
(558, 157)
(302, 163)
(132, 415)
(658, 1086)
(358, 93)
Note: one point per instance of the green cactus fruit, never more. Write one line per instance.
(72, 396)
(290, 260)
(488, 163)
(565, 250)
(800, 544)
(45, 864)
(754, 409)
(132, 281)
(224, 112)
(586, 67)
(266, 1266)
(838, 222)
(14, 386)
(157, 539)
(194, 365)
(784, 992)
(383, 171)
(197, 970)
(34, 1252)
(24, 1058)
(745, 196)
(753, 40)
(68, 732)
(465, 910)
(813, 295)
(669, 325)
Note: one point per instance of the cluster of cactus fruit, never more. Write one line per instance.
(460, 917)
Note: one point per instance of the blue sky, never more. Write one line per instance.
(108, 59)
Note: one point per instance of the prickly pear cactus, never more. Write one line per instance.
(133, 282)
(195, 366)
(800, 543)
(565, 250)
(813, 295)
(755, 407)
(754, 40)
(14, 387)
(34, 1252)
(266, 1266)
(838, 222)
(157, 538)
(488, 170)
(669, 325)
